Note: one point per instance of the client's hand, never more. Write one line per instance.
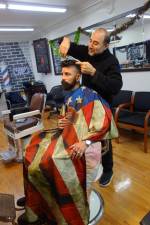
(78, 149)
(65, 121)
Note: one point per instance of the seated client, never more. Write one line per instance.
(60, 167)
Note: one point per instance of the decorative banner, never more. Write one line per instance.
(54, 44)
(77, 36)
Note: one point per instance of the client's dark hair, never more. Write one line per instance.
(68, 63)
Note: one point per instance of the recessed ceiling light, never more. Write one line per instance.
(146, 16)
(92, 30)
(110, 29)
(15, 29)
(2, 6)
(131, 15)
(89, 30)
(36, 8)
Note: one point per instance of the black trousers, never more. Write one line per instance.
(107, 159)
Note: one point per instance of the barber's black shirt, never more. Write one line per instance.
(107, 80)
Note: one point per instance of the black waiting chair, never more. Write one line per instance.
(55, 98)
(137, 117)
(123, 97)
(123, 100)
(14, 100)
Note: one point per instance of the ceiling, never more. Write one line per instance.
(41, 22)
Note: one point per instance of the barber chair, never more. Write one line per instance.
(96, 207)
(30, 88)
(94, 171)
(96, 203)
(55, 98)
(23, 125)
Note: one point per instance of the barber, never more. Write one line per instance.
(100, 72)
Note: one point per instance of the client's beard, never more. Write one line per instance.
(67, 86)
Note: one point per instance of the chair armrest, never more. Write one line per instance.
(146, 118)
(121, 106)
(27, 114)
(124, 105)
(5, 112)
(19, 110)
(8, 103)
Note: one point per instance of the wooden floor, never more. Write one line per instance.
(127, 199)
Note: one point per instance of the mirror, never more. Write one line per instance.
(131, 47)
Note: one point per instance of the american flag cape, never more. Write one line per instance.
(55, 184)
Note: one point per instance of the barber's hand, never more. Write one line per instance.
(65, 122)
(87, 68)
(78, 149)
(64, 46)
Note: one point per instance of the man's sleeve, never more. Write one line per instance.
(79, 52)
(109, 83)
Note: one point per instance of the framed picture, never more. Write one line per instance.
(134, 57)
(56, 56)
(41, 49)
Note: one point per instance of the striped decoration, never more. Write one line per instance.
(5, 78)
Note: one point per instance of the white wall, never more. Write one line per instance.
(136, 81)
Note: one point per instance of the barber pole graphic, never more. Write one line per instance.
(5, 77)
